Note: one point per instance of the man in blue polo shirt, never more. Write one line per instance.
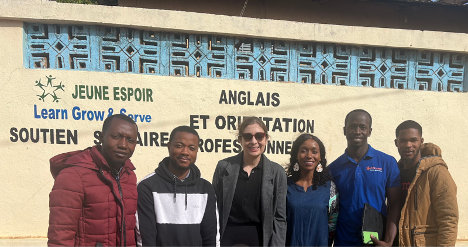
(364, 175)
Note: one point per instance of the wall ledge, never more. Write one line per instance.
(178, 21)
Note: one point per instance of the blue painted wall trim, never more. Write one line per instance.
(113, 49)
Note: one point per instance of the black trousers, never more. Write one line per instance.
(242, 235)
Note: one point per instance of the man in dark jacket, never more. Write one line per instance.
(94, 198)
(176, 207)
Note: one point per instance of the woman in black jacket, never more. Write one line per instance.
(251, 192)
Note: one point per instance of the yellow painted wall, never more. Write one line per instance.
(26, 179)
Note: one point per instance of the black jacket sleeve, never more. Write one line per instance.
(146, 216)
(209, 227)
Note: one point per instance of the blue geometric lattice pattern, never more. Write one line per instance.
(114, 49)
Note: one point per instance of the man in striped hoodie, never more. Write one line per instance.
(176, 207)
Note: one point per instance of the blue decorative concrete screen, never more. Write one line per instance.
(125, 50)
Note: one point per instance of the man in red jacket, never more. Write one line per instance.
(94, 198)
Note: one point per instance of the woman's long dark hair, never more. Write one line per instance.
(320, 178)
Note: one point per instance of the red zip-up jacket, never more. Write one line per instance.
(89, 206)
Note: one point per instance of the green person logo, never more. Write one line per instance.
(50, 89)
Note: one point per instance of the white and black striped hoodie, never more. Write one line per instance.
(176, 213)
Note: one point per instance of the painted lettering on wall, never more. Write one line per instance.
(273, 124)
(231, 123)
(208, 145)
(249, 98)
(78, 113)
(156, 138)
(118, 93)
(234, 146)
(145, 139)
(37, 135)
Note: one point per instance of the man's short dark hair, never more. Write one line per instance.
(108, 121)
(408, 124)
(183, 128)
(355, 111)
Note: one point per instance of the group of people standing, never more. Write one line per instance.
(252, 200)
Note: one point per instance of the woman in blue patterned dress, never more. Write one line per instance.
(312, 198)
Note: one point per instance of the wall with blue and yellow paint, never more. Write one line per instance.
(65, 67)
